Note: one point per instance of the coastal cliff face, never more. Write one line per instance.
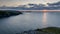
(49, 30)
(7, 13)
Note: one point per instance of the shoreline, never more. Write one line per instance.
(48, 30)
(8, 13)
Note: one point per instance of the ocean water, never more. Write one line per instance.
(29, 21)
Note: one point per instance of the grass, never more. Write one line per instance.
(54, 30)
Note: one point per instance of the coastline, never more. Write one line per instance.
(8, 13)
(48, 30)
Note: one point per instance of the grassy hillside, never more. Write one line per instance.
(52, 30)
(48, 30)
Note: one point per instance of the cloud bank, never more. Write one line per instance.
(49, 6)
(21, 2)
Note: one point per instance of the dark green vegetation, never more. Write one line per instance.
(7, 13)
(48, 30)
(52, 30)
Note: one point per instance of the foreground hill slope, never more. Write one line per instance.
(48, 30)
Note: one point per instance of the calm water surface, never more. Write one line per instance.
(28, 21)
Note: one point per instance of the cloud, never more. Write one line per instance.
(20, 2)
(56, 3)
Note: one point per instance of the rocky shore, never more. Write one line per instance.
(48, 30)
(8, 13)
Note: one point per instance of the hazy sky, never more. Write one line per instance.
(21, 2)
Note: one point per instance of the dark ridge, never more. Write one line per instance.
(8, 13)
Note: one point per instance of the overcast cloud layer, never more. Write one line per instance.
(21, 2)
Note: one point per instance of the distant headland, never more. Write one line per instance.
(8, 13)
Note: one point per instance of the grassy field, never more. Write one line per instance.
(52, 30)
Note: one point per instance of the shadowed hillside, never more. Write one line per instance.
(48, 30)
(7, 13)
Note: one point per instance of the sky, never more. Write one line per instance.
(23, 2)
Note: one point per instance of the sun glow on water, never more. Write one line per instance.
(44, 18)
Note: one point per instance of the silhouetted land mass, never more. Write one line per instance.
(48, 30)
(8, 13)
